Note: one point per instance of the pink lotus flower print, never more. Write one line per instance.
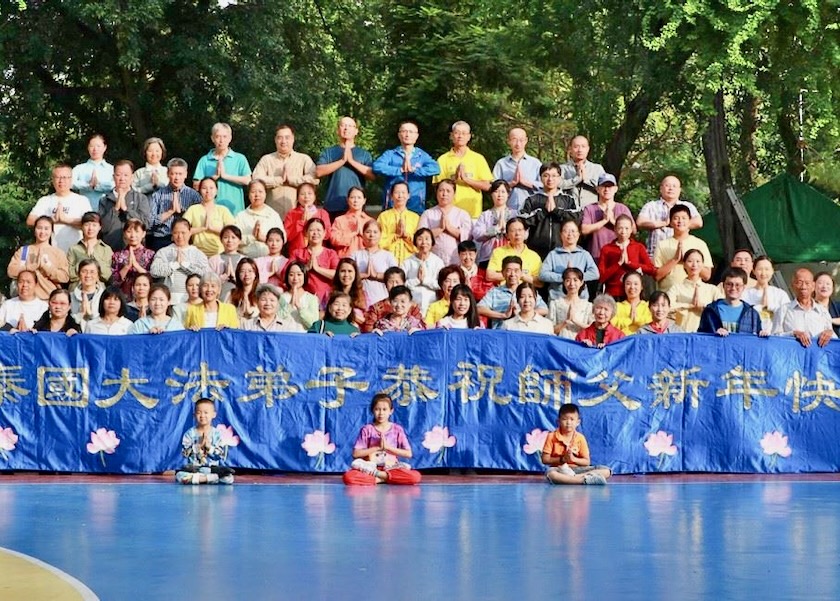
(103, 441)
(437, 440)
(317, 444)
(660, 444)
(775, 444)
(535, 441)
(227, 437)
(8, 440)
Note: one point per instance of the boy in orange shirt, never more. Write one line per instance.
(566, 452)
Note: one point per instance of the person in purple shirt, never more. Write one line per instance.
(407, 163)
(598, 221)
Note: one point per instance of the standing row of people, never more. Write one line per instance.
(346, 165)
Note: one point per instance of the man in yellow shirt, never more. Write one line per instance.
(670, 252)
(468, 168)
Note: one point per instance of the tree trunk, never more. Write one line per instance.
(662, 72)
(635, 116)
(748, 163)
(719, 174)
(790, 140)
(132, 102)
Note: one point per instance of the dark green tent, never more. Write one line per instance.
(796, 223)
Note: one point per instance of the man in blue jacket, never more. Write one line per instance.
(407, 163)
(730, 314)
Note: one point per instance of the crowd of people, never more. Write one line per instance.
(119, 250)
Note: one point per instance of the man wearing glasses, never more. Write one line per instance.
(731, 315)
(64, 207)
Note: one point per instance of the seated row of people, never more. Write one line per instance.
(105, 311)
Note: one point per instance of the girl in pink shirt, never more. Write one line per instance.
(379, 449)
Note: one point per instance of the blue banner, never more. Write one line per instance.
(480, 399)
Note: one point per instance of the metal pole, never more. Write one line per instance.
(801, 142)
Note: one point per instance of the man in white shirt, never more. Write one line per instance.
(21, 312)
(176, 262)
(803, 318)
(64, 206)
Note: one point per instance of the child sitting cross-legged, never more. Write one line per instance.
(203, 449)
(379, 450)
(566, 452)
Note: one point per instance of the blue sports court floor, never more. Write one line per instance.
(505, 538)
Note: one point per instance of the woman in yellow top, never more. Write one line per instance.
(516, 233)
(448, 277)
(207, 219)
(398, 225)
(211, 312)
(690, 297)
(632, 313)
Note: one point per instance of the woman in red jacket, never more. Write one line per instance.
(621, 256)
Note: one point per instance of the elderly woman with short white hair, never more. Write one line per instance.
(601, 332)
(211, 312)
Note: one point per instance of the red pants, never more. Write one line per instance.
(397, 476)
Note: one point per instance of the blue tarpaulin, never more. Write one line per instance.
(468, 399)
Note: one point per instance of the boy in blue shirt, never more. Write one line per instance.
(203, 449)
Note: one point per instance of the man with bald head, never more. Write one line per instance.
(580, 175)
(346, 164)
(519, 169)
(468, 168)
(655, 215)
(804, 318)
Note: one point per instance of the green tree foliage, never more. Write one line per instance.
(462, 61)
(160, 67)
(637, 77)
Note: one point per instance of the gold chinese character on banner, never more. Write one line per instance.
(127, 386)
(204, 382)
(63, 386)
(611, 390)
(409, 384)
(482, 378)
(817, 392)
(746, 384)
(545, 386)
(338, 378)
(674, 386)
(10, 380)
(269, 385)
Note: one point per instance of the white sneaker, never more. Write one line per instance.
(597, 479)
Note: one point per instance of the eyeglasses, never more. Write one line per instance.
(60, 178)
